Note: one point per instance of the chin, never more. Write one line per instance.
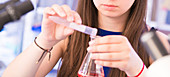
(111, 14)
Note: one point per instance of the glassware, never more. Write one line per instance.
(81, 28)
(89, 68)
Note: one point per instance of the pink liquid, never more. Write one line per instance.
(90, 75)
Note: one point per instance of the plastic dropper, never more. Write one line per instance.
(82, 28)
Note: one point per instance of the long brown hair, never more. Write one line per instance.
(78, 42)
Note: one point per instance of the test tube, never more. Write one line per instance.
(82, 28)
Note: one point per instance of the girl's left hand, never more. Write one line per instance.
(115, 51)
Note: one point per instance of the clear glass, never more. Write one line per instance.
(89, 68)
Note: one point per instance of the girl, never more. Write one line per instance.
(120, 22)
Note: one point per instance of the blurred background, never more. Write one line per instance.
(16, 36)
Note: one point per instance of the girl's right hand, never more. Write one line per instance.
(52, 32)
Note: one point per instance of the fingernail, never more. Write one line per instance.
(52, 12)
(62, 14)
(92, 57)
(79, 21)
(70, 19)
(91, 42)
(89, 49)
(96, 62)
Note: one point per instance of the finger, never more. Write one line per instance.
(116, 39)
(77, 18)
(109, 56)
(48, 12)
(68, 31)
(114, 64)
(68, 12)
(106, 48)
(59, 10)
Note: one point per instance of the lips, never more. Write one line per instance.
(109, 6)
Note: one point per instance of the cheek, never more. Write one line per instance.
(97, 3)
(126, 5)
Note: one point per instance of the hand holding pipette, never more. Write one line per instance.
(52, 32)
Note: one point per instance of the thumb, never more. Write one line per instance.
(68, 31)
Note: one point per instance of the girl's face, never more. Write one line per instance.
(113, 8)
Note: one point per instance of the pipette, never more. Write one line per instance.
(82, 28)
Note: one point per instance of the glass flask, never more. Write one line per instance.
(89, 68)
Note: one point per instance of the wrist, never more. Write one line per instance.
(140, 72)
(45, 43)
(45, 50)
(144, 73)
(134, 67)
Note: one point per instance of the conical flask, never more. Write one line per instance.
(89, 68)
